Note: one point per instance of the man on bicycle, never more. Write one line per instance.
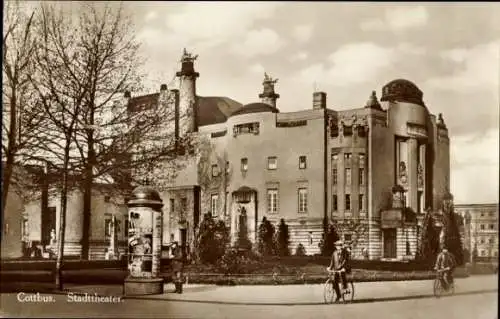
(338, 264)
(445, 262)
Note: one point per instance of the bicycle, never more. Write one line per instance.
(347, 294)
(438, 284)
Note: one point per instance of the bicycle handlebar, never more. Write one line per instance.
(334, 271)
(443, 269)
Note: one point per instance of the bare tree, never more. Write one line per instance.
(21, 116)
(57, 80)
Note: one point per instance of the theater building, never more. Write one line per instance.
(359, 167)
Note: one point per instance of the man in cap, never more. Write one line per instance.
(446, 262)
(337, 264)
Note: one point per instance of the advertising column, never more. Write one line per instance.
(144, 243)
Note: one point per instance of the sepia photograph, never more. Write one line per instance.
(250, 159)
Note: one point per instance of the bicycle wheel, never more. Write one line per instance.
(348, 295)
(437, 287)
(328, 291)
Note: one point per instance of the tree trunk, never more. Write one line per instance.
(9, 165)
(62, 222)
(87, 191)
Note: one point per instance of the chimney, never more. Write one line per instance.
(319, 100)
(176, 116)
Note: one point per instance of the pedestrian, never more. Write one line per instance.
(177, 267)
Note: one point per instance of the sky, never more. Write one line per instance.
(346, 49)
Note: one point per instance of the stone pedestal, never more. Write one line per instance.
(142, 286)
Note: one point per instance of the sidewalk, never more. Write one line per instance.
(297, 294)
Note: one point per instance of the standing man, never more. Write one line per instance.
(337, 264)
(177, 267)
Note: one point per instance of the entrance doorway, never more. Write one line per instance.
(390, 243)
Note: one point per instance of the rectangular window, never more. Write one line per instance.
(172, 205)
(247, 128)
(302, 162)
(244, 164)
(272, 201)
(347, 202)
(107, 227)
(183, 207)
(492, 226)
(482, 227)
(215, 170)
(348, 176)
(361, 176)
(335, 203)
(347, 130)
(335, 156)
(302, 200)
(107, 198)
(125, 219)
(347, 237)
(347, 156)
(272, 162)
(361, 199)
(213, 204)
(334, 176)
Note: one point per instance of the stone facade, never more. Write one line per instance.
(480, 229)
(307, 165)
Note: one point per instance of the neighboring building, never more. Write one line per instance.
(480, 229)
(43, 216)
(356, 167)
(14, 234)
(13, 225)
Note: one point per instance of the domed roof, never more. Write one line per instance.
(255, 108)
(402, 90)
(145, 196)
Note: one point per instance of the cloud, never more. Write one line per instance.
(409, 48)
(398, 19)
(208, 24)
(474, 165)
(257, 68)
(350, 64)
(299, 56)
(477, 69)
(303, 33)
(258, 42)
(151, 15)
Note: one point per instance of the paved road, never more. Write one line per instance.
(476, 297)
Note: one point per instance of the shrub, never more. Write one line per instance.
(300, 250)
(331, 236)
(283, 239)
(266, 244)
(212, 240)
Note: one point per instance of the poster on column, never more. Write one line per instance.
(140, 241)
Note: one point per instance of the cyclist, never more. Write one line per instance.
(338, 264)
(446, 262)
